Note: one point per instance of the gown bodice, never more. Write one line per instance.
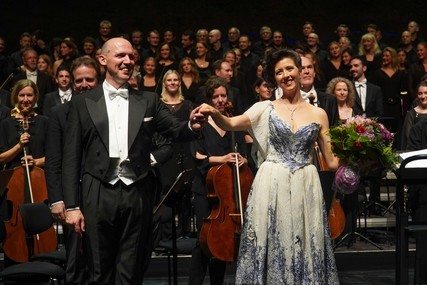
(288, 147)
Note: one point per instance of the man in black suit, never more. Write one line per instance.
(109, 140)
(85, 76)
(318, 98)
(62, 94)
(43, 81)
(369, 103)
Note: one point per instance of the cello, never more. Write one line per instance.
(228, 190)
(26, 185)
(336, 216)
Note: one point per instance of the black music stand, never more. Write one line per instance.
(170, 200)
(354, 203)
(404, 227)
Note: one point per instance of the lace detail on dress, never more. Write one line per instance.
(292, 149)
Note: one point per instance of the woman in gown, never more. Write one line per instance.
(285, 237)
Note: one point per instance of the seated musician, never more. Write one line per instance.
(24, 128)
(215, 148)
(13, 133)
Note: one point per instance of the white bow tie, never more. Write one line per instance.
(309, 96)
(360, 84)
(65, 95)
(124, 93)
(31, 73)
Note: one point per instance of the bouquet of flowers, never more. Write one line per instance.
(363, 145)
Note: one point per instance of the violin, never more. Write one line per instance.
(336, 216)
(27, 185)
(228, 190)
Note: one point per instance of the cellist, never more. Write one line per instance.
(24, 97)
(13, 138)
(213, 149)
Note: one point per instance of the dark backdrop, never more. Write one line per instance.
(81, 18)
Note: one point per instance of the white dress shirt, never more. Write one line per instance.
(361, 91)
(32, 75)
(65, 95)
(118, 117)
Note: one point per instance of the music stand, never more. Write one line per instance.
(169, 200)
(354, 216)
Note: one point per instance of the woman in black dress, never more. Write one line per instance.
(414, 115)
(213, 149)
(394, 85)
(189, 72)
(149, 80)
(13, 137)
(165, 59)
(181, 160)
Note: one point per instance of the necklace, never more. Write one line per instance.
(293, 110)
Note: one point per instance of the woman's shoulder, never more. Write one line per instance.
(257, 109)
(260, 105)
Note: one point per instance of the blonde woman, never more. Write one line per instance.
(44, 63)
(369, 48)
(13, 139)
(345, 93)
(180, 108)
(189, 72)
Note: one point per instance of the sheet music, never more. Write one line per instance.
(420, 163)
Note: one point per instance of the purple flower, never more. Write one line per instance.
(346, 180)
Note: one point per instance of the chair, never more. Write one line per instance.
(175, 246)
(404, 226)
(36, 218)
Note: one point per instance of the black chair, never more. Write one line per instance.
(36, 218)
(174, 246)
(404, 226)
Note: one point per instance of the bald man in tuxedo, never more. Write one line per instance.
(109, 140)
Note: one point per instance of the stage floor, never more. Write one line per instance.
(360, 264)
